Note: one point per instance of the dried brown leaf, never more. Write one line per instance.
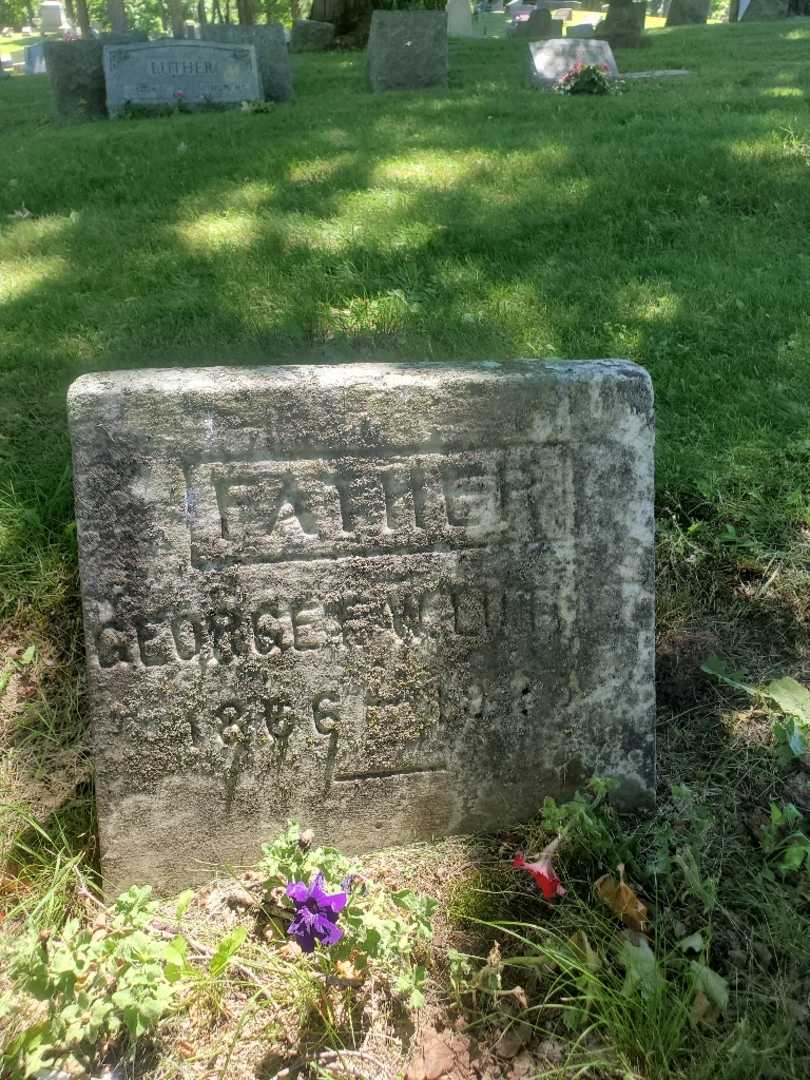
(622, 901)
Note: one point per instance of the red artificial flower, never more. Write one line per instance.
(543, 872)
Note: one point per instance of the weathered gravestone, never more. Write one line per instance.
(539, 26)
(309, 35)
(407, 50)
(170, 72)
(390, 602)
(687, 12)
(623, 26)
(76, 74)
(34, 59)
(459, 18)
(52, 17)
(76, 70)
(271, 54)
(549, 60)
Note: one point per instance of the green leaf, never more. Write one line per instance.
(716, 666)
(29, 655)
(693, 943)
(714, 986)
(183, 903)
(795, 855)
(226, 950)
(791, 697)
(641, 968)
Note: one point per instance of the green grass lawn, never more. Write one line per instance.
(668, 224)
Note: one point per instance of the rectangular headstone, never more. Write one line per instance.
(34, 58)
(169, 72)
(686, 12)
(407, 50)
(311, 35)
(51, 16)
(459, 18)
(390, 602)
(549, 60)
(76, 75)
(272, 56)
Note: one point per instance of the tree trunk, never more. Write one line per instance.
(216, 12)
(71, 11)
(228, 11)
(178, 17)
(83, 18)
(118, 16)
(202, 18)
(247, 12)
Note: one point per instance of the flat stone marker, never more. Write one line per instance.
(171, 71)
(407, 50)
(549, 60)
(390, 602)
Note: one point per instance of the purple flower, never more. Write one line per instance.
(316, 914)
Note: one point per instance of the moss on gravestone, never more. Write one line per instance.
(76, 73)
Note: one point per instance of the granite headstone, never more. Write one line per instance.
(309, 35)
(390, 602)
(52, 17)
(459, 18)
(549, 60)
(540, 26)
(34, 59)
(76, 73)
(407, 50)
(191, 73)
(623, 26)
(687, 12)
(272, 55)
